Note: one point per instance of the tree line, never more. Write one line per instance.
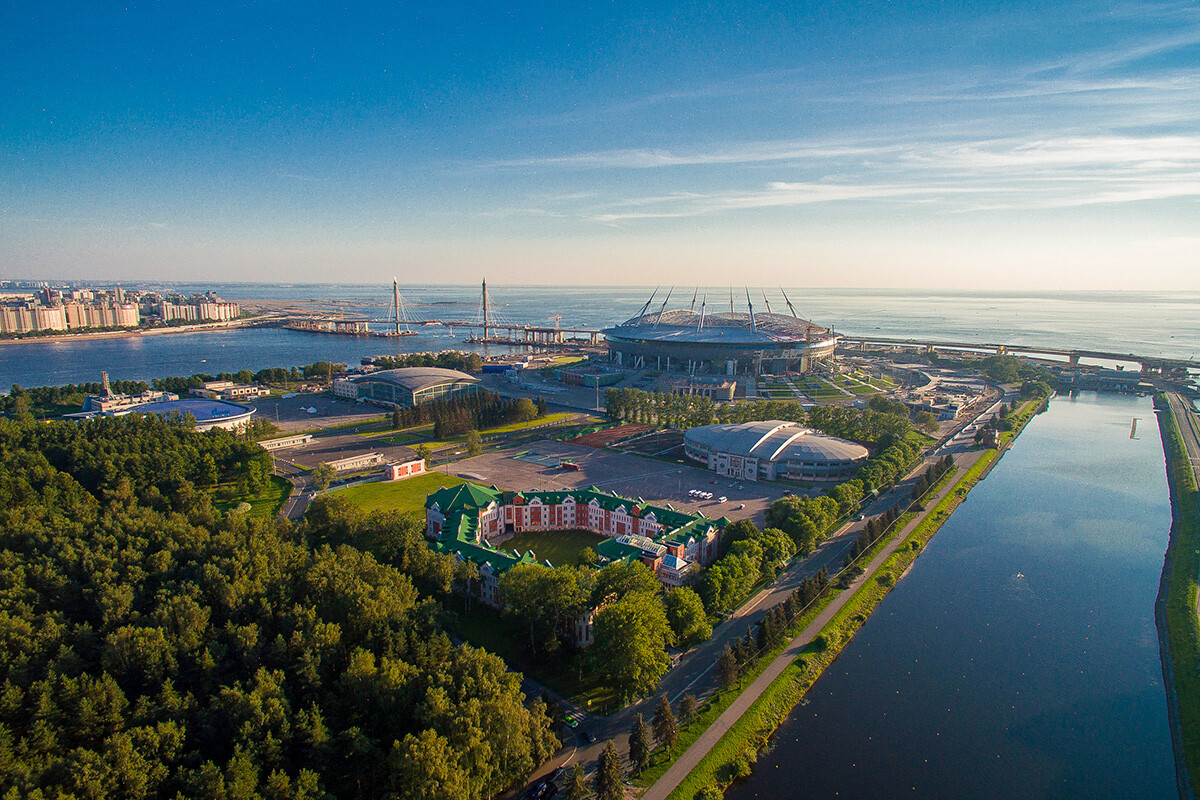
(657, 408)
(50, 400)
(458, 414)
(157, 648)
(769, 632)
(868, 425)
(446, 359)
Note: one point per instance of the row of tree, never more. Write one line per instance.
(769, 632)
(277, 376)
(875, 527)
(155, 647)
(688, 411)
(446, 359)
(53, 400)
(931, 475)
(657, 408)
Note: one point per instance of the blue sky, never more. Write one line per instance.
(886, 144)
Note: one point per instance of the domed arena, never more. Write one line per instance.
(774, 449)
(725, 343)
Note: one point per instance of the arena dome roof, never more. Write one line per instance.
(680, 325)
(775, 440)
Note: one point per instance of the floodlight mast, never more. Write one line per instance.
(703, 303)
(753, 327)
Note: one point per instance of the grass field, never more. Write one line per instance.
(560, 548)
(405, 495)
(264, 504)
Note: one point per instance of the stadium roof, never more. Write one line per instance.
(417, 378)
(204, 411)
(731, 328)
(775, 440)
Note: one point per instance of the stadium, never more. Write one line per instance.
(773, 449)
(728, 343)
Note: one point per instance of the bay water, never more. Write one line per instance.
(1145, 323)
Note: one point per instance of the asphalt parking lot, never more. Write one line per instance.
(536, 467)
(290, 414)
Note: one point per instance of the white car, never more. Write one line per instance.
(722, 499)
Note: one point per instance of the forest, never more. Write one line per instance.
(154, 647)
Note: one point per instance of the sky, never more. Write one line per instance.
(965, 145)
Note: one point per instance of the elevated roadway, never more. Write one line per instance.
(1147, 363)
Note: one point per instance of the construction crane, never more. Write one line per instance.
(556, 318)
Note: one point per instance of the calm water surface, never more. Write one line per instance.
(1146, 323)
(1019, 658)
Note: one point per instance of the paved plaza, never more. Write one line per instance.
(537, 466)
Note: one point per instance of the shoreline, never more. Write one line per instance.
(751, 732)
(251, 322)
(1175, 606)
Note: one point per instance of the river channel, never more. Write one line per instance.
(1019, 658)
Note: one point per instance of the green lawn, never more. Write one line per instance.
(406, 495)
(264, 504)
(560, 548)
(549, 419)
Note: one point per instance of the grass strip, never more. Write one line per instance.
(1181, 566)
(735, 754)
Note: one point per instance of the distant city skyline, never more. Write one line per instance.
(876, 145)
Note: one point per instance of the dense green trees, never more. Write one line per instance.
(542, 599)
(686, 616)
(632, 635)
(446, 359)
(749, 555)
(154, 647)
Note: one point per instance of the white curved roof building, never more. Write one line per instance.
(774, 449)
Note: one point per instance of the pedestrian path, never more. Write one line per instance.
(692, 756)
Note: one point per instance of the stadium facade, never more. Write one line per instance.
(773, 449)
(407, 386)
(727, 343)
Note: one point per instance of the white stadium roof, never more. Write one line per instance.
(775, 440)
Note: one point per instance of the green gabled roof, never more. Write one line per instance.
(464, 496)
(613, 550)
(500, 560)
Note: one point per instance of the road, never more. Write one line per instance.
(695, 671)
(690, 758)
(1189, 429)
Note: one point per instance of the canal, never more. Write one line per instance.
(1019, 658)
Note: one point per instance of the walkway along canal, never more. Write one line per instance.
(1019, 657)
